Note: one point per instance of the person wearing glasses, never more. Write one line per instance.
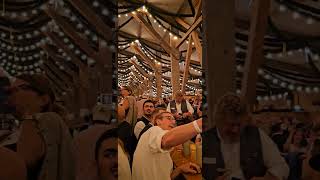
(44, 144)
(152, 158)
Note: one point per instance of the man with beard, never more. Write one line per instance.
(234, 149)
(148, 109)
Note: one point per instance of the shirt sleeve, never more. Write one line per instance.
(274, 162)
(155, 138)
(190, 108)
(168, 108)
(138, 128)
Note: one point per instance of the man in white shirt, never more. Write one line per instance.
(152, 158)
(236, 149)
(181, 109)
(148, 109)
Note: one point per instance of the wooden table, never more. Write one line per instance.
(178, 159)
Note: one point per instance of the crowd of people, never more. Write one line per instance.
(42, 146)
(237, 148)
(147, 137)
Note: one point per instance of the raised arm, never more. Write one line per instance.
(181, 134)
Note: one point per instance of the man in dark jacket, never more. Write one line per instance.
(235, 149)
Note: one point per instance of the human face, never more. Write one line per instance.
(124, 92)
(166, 122)
(231, 128)
(25, 99)
(179, 99)
(108, 160)
(148, 109)
(298, 136)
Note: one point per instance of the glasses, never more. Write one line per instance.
(171, 118)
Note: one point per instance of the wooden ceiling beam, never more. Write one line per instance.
(69, 30)
(66, 49)
(143, 56)
(187, 63)
(164, 44)
(54, 78)
(254, 59)
(92, 17)
(190, 30)
(195, 35)
(145, 74)
(55, 57)
(60, 73)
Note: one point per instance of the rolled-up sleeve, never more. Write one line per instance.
(274, 162)
(155, 138)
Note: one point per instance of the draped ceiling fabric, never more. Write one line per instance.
(291, 45)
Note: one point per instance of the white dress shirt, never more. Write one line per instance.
(150, 161)
(178, 106)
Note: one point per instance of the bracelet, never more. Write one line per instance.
(196, 126)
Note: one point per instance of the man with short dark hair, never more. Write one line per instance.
(148, 109)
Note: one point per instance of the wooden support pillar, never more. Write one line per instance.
(258, 27)
(175, 71)
(158, 74)
(218, 52)
(186, 67)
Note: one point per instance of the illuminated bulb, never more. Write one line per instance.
(79, 26)
(237, 49)
(295, 15)
(282, 8)
(269, 56)
(275, 81)
(308, 89)
(13, 15)
(105, 12)
(95, 3)
(291, 87)
(175, 37)
(310, 21)
(73, 18)
(86, 32)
